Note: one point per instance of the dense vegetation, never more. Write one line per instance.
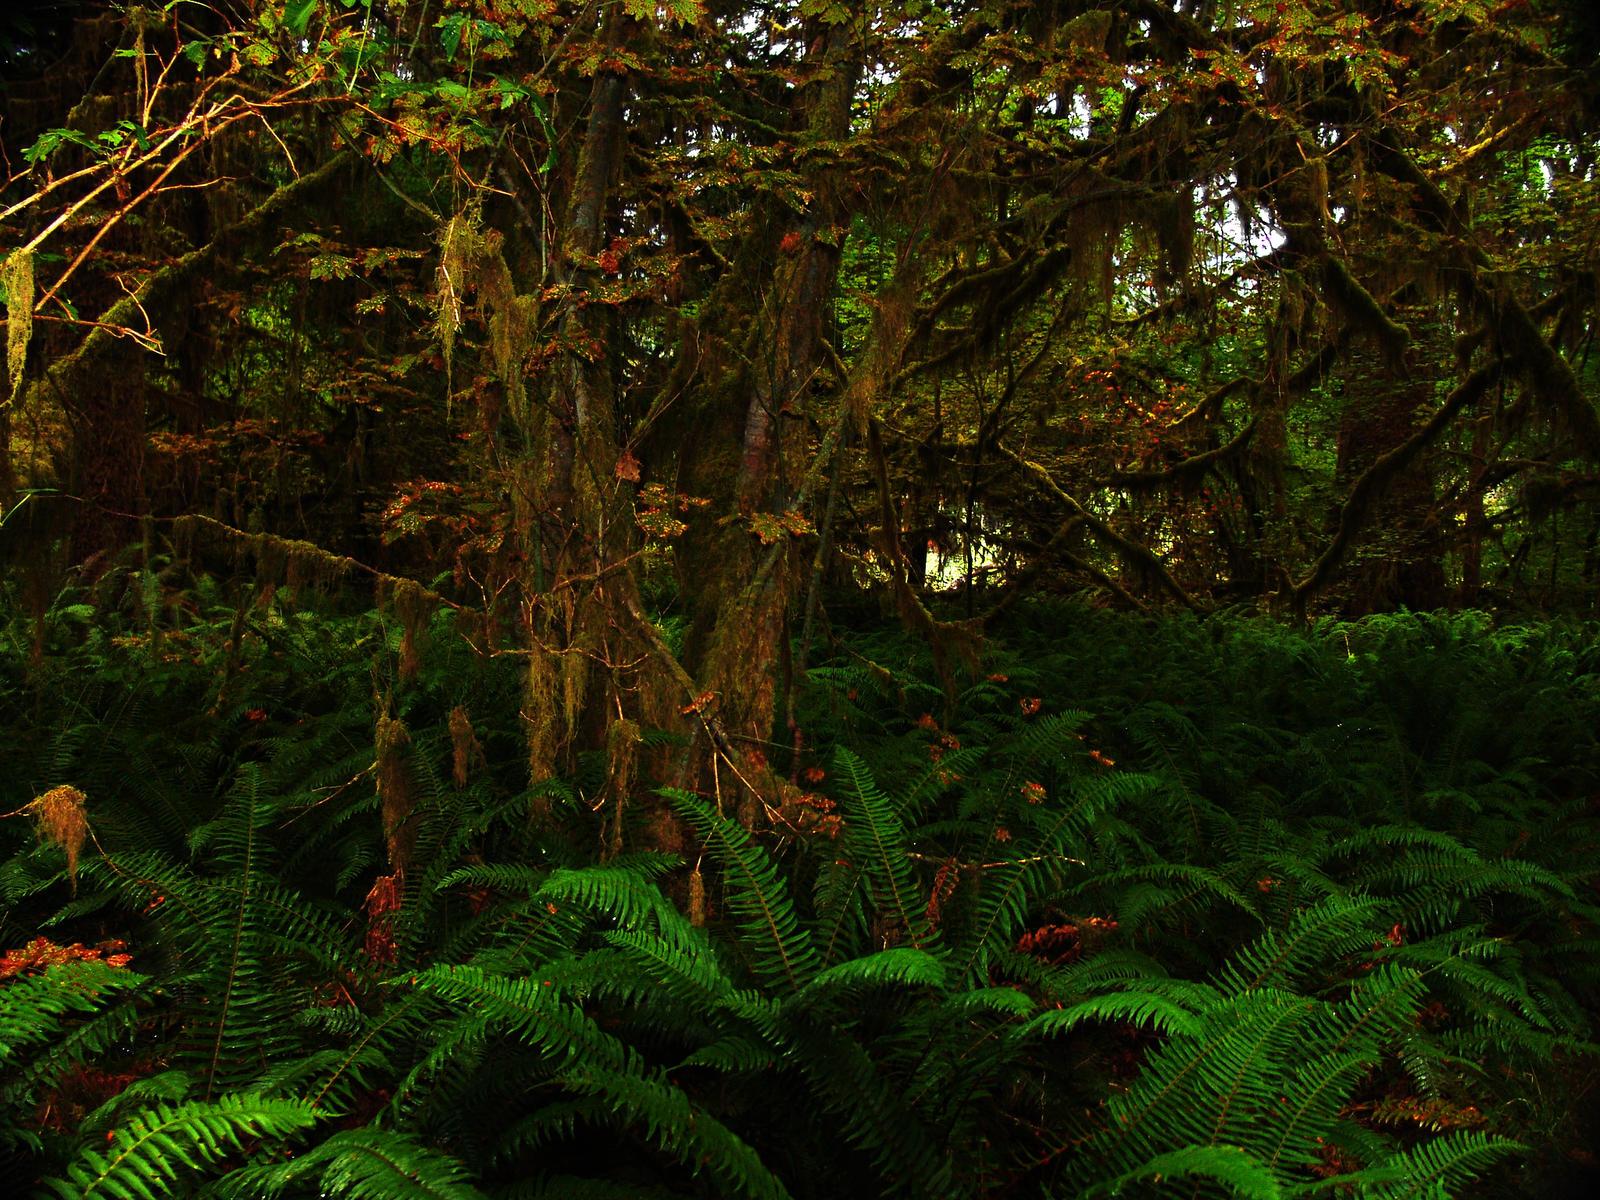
(785, 597)
(1288, 911)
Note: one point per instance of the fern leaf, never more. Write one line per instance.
(34, 1008)
(1436, 1168)
(620, 892)
(1138, 1008)
(164, 1144)
(874, 835)
(900, 966)
(528, 1009)
(874, 1111)
(1241, 1172)
(671, 1121)
(373, 1164)
(782, 952)
(1333, 926)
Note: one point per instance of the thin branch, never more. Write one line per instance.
(1377, 477)
(1139, 556)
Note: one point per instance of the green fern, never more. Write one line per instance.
(39, 1009)
(875, 837)
(363, 1164)
(1236, 1169)
(164, 1145)
(782, 953)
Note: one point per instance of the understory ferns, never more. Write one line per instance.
(1083, 934)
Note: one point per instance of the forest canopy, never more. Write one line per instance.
(709, 493)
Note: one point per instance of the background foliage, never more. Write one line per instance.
(798, 598)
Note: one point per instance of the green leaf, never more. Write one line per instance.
(900, 966)
(1132, 1007)
(757, 895)
(297, 15)
(450, 30)
(52, 140)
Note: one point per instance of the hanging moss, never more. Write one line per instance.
(465, 749)
(308, 565)
(16, 277)
(1088, 31)
(697, 898)
(271, 558)
(395, 791)
(413, 604)
(622, 751)
(1173, 220)
(1362, 309)
(274, 560)
(458, 246)
(540, 716)
(60, 814)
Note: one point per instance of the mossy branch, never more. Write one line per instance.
(1376, 478)
(1191, 468)
(1515, 327)
(71, 370)
(1140, 557)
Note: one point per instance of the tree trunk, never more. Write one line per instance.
(1406, 571)
(737, 590)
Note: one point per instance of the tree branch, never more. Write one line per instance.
(1377, 477)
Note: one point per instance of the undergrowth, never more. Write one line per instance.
(1145, 907)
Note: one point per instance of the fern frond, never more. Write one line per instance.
(1241, 1172)
(167, 1087)
(454, 1054)
(1136, 1008)
(734, 1055)
(686, 963)
(677, 986)
(901, 966)
(622, 892)
(646, 1101)
(1137, 894)
(874, 835)
(500, 877)
(840, 902)
(165, 1144)
(1000, 1001)
(1315, 936)
(1193, 1087)
(35, 1009)
(329, 1078)
(782, 953)
(874, 1112)
(1434, 1168)
(535, 1014)
(1010, 888)
(363, 1164)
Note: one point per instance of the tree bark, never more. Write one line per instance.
(736, 590)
